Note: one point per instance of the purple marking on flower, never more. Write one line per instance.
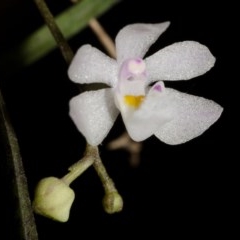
(132, 67)
(157, 88)
(136, 66)
(138, 60)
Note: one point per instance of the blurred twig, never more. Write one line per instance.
(103, 37)
(126, 143)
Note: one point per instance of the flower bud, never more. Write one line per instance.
(53, 199)
(112, 202)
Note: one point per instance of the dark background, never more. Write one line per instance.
(189, 185)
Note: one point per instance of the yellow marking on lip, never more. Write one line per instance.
(133, 101)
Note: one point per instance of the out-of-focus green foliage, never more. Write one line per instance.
(70, 22)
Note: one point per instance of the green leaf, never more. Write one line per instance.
(70, 22)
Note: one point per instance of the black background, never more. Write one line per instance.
(188, 186)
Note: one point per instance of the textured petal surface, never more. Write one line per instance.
(192, 116)
(94, 113)
(155, 111)
(90, 65)
(134, 40)
(179, 61)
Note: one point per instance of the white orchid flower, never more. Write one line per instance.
(172, 116)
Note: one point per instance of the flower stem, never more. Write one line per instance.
(91, 154)
(57, 34)
(112, 200)
(107, 182)
(91, 157)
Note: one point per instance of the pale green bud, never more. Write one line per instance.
(112, 202)
(53, 199)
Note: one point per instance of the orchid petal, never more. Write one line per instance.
(192, 116)
(179, 61)
(90, 65)
(94, 113)
(154, 112)
(134, 40)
